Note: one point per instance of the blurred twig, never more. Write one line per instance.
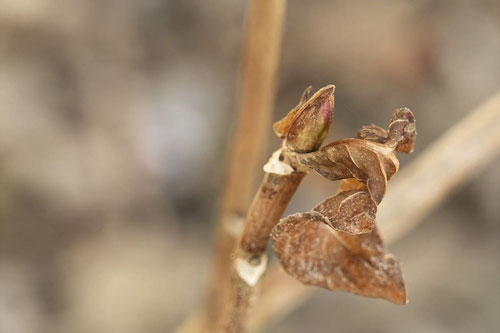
(256, 100)
(461, 153)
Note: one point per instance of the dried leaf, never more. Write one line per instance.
(373, 133)
(371, 158)
(350, 184)
(313, 253)
(351, 211)
(402, 130)
(369, 161)
(332, 162)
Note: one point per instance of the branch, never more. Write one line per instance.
(256, 99)
(461, 153)
(268, 206)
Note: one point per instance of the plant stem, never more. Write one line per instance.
(268, 206)
(257, 90)
(256, 101)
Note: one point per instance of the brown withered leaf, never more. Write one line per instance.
(313, 253)
(352, 211)
(403, 130)
(369, 162)
(371, 157)
(373, 133)
(350, 184)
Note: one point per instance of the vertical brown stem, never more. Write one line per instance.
(268, 206)
(256, 102)
(264, 28)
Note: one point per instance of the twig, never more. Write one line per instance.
(267, 208)
(257, 95)
(256, 100)
(462, 152)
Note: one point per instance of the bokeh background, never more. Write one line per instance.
(115, 120)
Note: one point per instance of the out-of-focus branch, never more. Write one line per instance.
(256, 101)
(257, 90)
(462, 152)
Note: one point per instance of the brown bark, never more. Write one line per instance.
(268, 206)
(257, 91)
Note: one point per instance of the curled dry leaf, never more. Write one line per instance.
(403, 130)
(313, 253)
(351, 211)
(368, 163)
(369, 160)
(373, 133)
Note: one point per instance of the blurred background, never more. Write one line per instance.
(115, 119)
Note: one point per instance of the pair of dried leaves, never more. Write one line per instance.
(336, 245)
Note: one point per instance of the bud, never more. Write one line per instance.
(312, 122)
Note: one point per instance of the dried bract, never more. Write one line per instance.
(373, 133)
(370, 160)
(402, 130)
(313, 253)
(370, 163)
(353, 211)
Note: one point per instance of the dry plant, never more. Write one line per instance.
(455, 158)
(336, 245)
